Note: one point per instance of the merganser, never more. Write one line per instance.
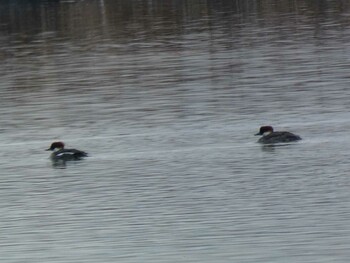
(61, 154)
(269, 136)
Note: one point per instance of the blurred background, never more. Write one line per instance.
(166, 96)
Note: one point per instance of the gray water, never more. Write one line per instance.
(166, 96)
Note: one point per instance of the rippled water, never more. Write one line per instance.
(165, 96)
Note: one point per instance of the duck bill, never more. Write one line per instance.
(257, 134)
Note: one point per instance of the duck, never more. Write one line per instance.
(62, 154)
(270, 136)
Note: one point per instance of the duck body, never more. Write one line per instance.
(269, 136)
(62, 154)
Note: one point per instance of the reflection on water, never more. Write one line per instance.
(166, 97)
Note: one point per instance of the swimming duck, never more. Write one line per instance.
(62, 154)
(269, 136)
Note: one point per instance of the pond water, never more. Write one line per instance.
(166, 97)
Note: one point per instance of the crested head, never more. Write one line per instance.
(265, 130)
(56, 145)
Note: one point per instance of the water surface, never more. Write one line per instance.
(165, 98)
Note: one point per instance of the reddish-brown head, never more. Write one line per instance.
(265, 129)
(56, 145)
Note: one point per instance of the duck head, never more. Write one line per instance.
(264, 130)
(56, 145)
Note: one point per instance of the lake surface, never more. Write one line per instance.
(166, 97)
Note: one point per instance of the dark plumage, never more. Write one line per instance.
(269, 136)
(62, 154)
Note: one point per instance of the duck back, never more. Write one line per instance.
(279, 137)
